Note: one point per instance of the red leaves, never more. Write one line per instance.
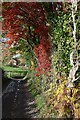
(18, 15)
(42, 52)
(41, 30)
(15, 15)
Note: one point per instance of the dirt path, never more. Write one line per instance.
(17, 101)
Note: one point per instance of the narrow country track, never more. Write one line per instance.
(17, 101)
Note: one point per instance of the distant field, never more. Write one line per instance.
(12, 69)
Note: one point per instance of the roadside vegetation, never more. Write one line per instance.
(48, 37)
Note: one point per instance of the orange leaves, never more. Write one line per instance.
(9, 35)
(9, 42)
(36, 50)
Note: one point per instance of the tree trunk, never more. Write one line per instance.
(74, 64)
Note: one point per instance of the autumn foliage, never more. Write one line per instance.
(42, 52)
(17, 17)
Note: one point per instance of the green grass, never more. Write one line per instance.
(13, 72)
(12, 69)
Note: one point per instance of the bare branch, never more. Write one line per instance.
(76, 79)
(71, 58)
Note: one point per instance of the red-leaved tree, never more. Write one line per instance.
(17, 20)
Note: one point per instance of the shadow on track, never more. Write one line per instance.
(17, 101)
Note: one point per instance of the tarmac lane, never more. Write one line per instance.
(17, 101)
